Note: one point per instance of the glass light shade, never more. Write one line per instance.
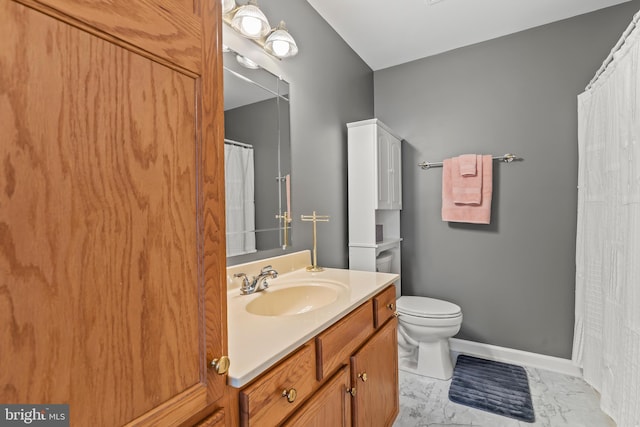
(280, 43)
(228, 6)
(246, 62)
(250, 21)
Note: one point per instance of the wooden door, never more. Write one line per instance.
(112, 252)
(330, 406)
(374, 374)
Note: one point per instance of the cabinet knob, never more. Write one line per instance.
(391, 306)
(351, 391)
(221, 365)
(363, 376)
(290, 395)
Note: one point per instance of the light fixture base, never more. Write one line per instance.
(277, 43)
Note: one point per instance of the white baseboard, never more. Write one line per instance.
(518, 357)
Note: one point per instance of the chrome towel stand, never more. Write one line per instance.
(507, 158)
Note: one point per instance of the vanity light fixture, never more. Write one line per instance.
(228, 6)
(280, 43)
(246, 62)
(249, 21)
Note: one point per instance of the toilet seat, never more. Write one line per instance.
(425, 307)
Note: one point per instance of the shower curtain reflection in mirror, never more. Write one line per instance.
(239, 196)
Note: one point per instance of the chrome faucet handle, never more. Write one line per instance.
(245, 280)
(267, 269)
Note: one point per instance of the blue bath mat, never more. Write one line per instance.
(496, 387)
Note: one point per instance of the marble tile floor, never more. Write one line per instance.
(558, 401)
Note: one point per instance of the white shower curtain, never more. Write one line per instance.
(239, 197)
(607, 325)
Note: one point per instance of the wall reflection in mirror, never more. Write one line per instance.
(257, 157)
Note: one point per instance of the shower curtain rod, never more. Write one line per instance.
(507, 158)
(616, 48)
(237, 144)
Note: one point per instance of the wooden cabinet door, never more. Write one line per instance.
(330, 406)
(112, 252)
(374, 374)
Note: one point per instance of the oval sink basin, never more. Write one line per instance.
(294, 299)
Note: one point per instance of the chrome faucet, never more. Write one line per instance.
(259, 282)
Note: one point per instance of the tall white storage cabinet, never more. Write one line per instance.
(375, 194)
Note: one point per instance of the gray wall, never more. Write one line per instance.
(514, 278)
(330, 86)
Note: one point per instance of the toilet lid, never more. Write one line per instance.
(427, 307)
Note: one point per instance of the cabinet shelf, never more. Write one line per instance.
(382, 246)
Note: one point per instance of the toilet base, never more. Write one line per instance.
(433, 361)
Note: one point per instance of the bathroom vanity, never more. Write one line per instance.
(314, 348)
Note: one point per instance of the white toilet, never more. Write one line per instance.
(424, 328)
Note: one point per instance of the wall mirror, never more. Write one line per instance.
(257, 157)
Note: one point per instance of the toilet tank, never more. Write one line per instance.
(383, 262)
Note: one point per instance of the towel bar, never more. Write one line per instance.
(507, 158)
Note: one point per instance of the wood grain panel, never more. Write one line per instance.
(384, 306)
(376, 401)
(215, 420)
(167, 29)
(330, 406)
(336, 344)
(262, 403)
(98, 255)
(175, 411)
(211, 197)
(189, 6)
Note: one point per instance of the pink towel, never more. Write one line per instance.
(468, 164)
(466, 190)
(475, 214)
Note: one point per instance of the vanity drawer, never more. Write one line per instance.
(384, 306)
(336, 344)
(263, 404)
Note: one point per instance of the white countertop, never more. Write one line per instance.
(257, 342)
